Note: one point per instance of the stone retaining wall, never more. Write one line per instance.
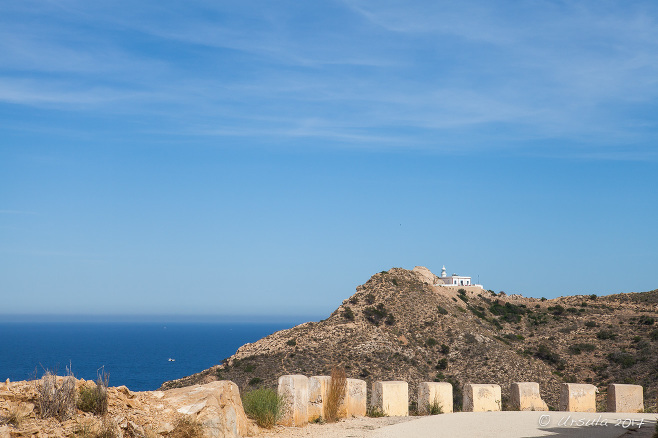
(307, 396)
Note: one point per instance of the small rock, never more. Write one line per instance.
(165, 428)
(125, 391)
(135, 429)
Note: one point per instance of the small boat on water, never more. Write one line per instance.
(172, 360)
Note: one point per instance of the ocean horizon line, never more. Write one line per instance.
(157, 318)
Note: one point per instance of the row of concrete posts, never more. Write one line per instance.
(306, 398)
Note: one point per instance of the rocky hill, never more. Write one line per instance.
(398, 326)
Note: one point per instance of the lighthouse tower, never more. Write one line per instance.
(443, 272)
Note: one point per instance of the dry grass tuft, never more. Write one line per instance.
(107, 429)
(56, 398)
(335, 394)
(187, 427)
(88, 429)
(15, 417)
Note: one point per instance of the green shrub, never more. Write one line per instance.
(547, 355)
(431, 342)
(348, 313)
(376, 314)
(435, 408)
(441, 310)
(654, 335)
(291, 342)
(591, 324)
(579, 348)
(442, 364)
(606, 334)
(556, 310)
(370, 299)
(264, 406)
(646, 320)
(255, 381)
(507, 312)
(478, 311)
(445, 349)
(537, 319)
(375, 412)
(626, 360)
(97, 397)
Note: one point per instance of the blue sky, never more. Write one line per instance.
(265, 158)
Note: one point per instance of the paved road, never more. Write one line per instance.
(524, 425)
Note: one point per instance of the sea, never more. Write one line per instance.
(140, 356)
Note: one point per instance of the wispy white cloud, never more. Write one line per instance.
(353, 74)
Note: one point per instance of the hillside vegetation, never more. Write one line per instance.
(397, 326)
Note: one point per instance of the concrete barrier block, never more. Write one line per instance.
(356, 397)
(625, 398)
(391, 397)
(577, 397)
(481, 398)
(434, 392)
(525, 396)
(317, 394)
(294, 389)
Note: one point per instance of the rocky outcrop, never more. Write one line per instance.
(425, 275)
(216, 406)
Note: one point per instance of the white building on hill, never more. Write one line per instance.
(454, 280)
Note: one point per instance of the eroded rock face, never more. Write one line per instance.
(425, 275)
(216, 405)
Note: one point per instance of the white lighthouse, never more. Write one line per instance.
(454, 280)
